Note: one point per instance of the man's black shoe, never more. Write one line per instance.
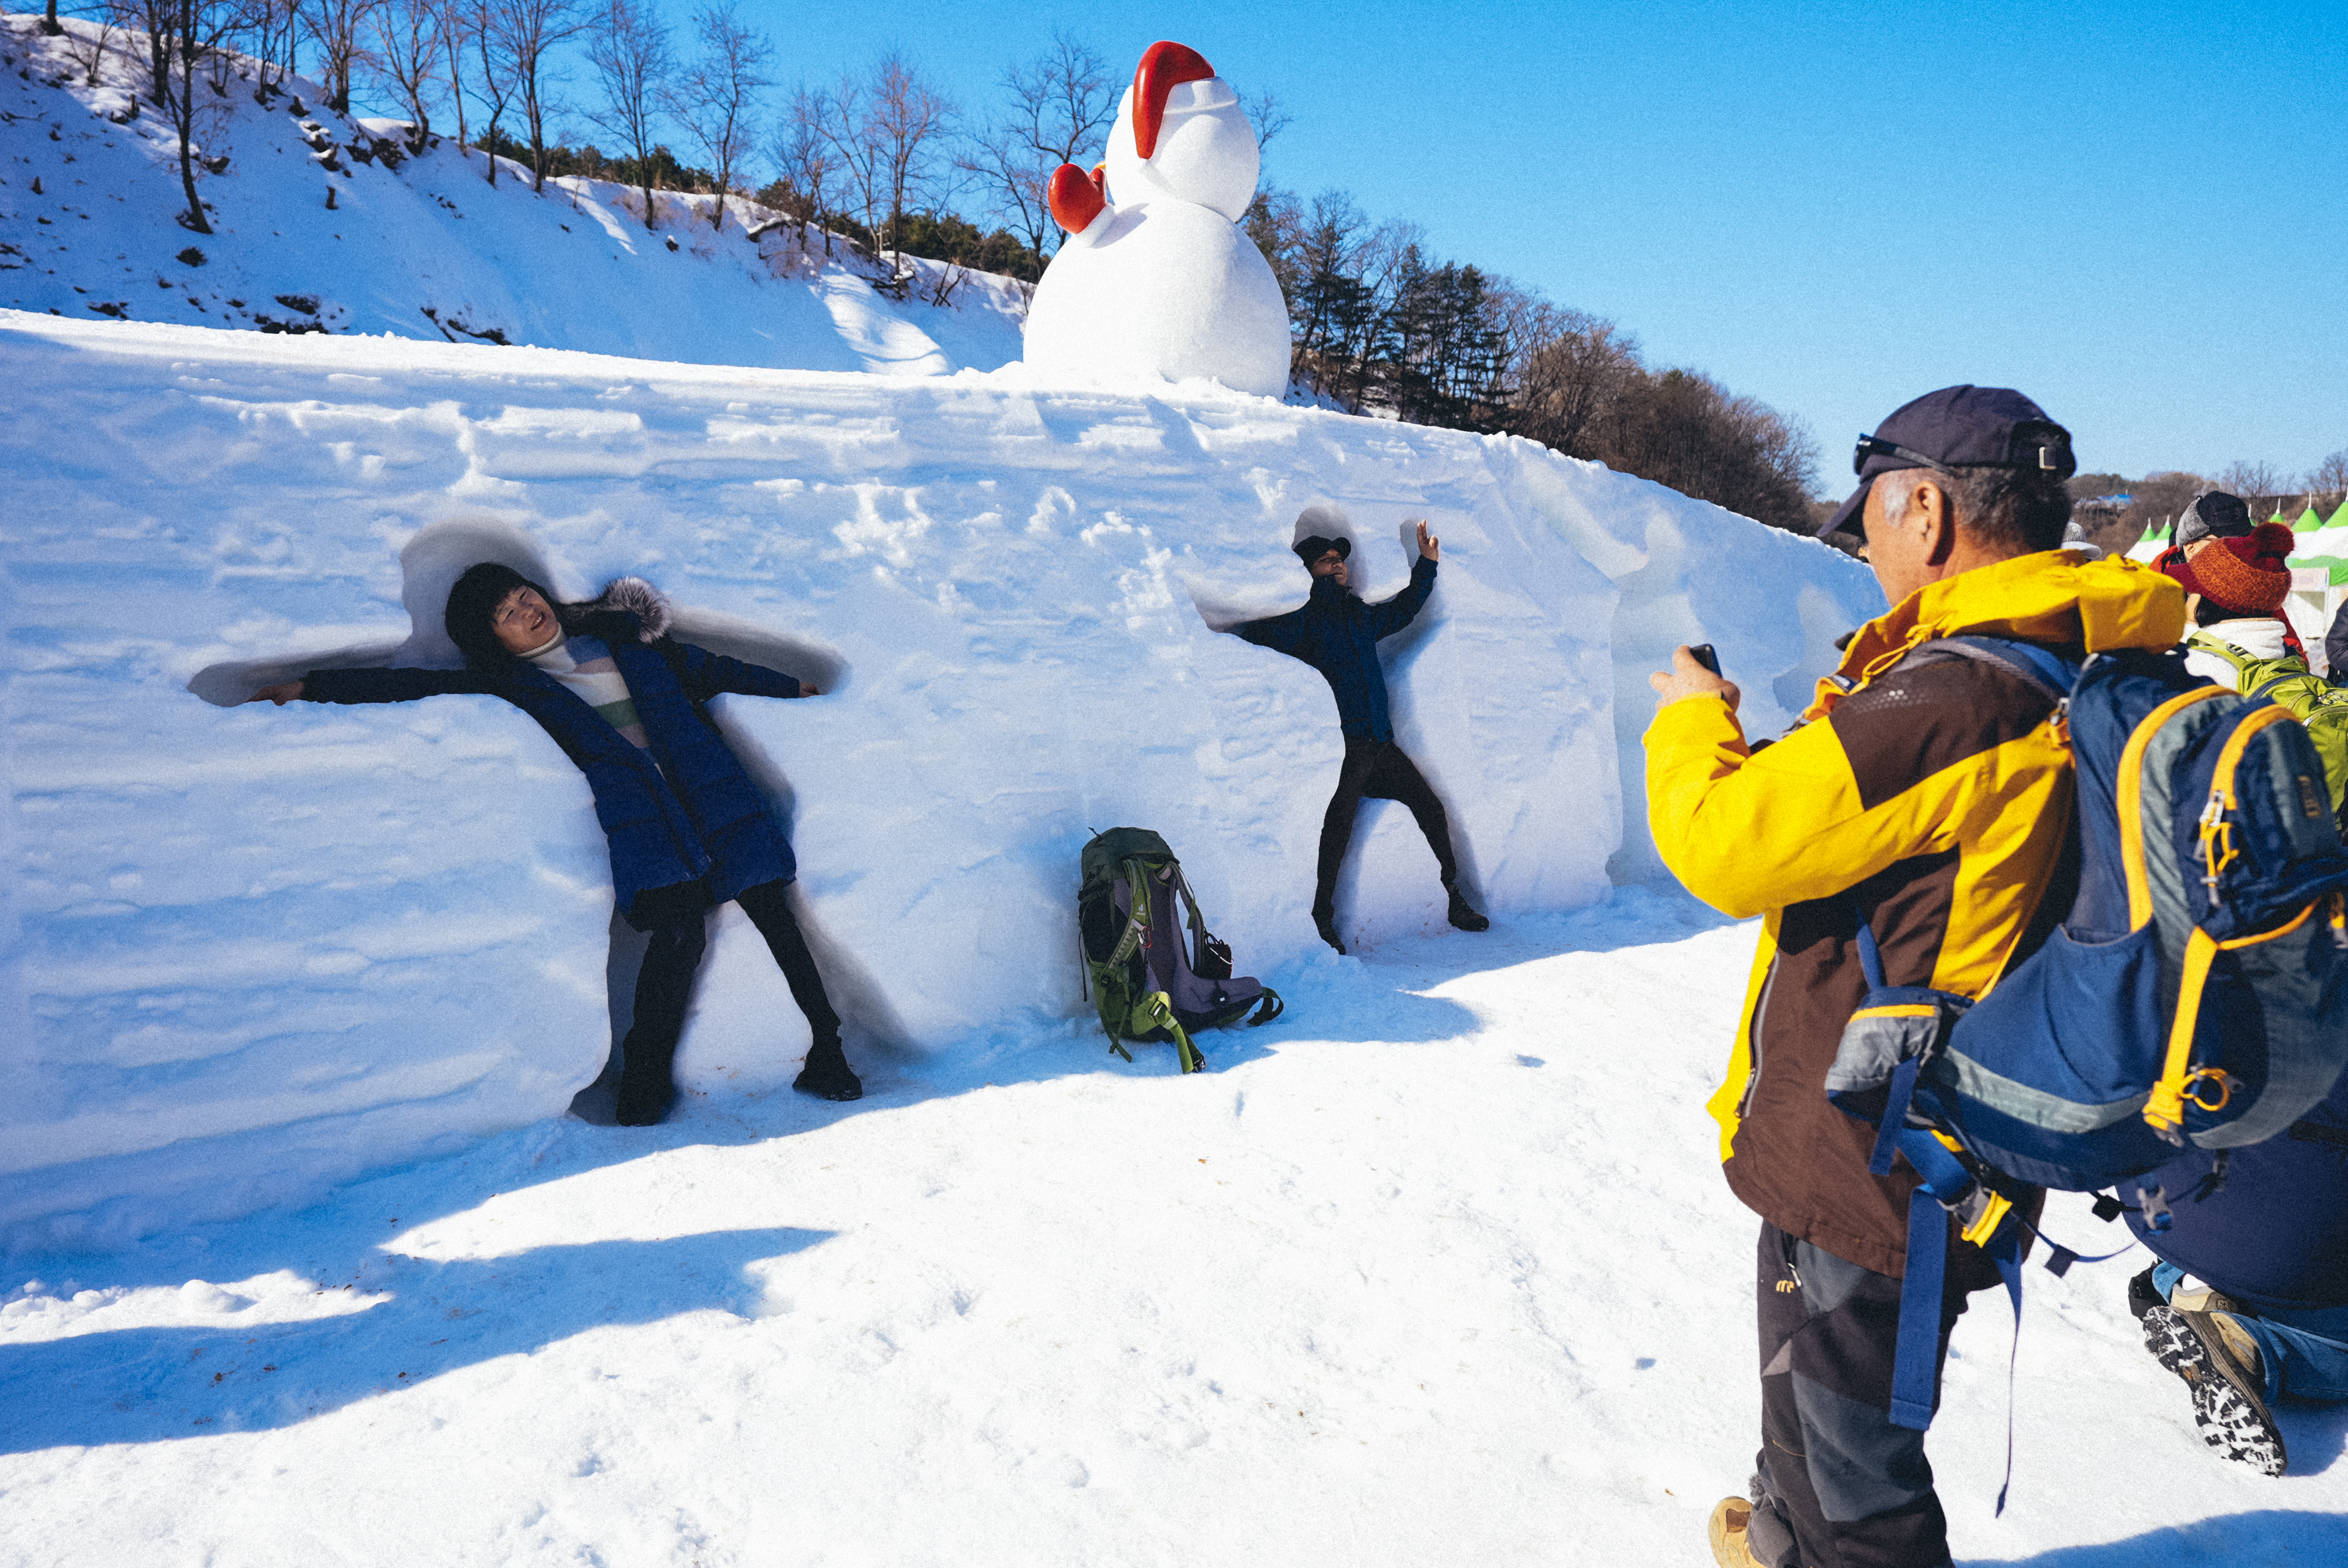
(826, 1074)
(644, 1101)
(1464, 916)
(1327, 926)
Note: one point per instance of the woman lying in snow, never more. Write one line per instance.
(688, 829)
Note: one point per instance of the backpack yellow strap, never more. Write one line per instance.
(2164, 1110)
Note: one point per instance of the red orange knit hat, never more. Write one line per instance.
(2247, 575)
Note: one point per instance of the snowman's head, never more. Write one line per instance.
(1181, 134)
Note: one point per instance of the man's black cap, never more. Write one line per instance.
(1312, 546)
(2215, 515)
(1956, 427)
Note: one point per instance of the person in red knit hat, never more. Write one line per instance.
(2238, 582)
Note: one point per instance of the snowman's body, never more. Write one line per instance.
(1165, 283)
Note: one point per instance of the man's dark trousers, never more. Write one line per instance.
(1377, 770)
(1844, 1487)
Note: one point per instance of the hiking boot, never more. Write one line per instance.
(2142, 1297)
(826, 1074)
(1327, 926)
(1731, 1518)
(2206, 1350)
(1463, 915)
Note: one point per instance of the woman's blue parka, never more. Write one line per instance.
(695, 816)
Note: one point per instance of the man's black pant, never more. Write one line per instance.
(1377, 770)
(1840, 1486)
(664, 983)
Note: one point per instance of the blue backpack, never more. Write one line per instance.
(2197, 993)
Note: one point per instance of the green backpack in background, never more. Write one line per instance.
(1148, 982)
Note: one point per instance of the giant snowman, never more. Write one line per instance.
(1163, 281)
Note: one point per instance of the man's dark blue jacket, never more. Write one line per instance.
(1337, 634)
(695, 816)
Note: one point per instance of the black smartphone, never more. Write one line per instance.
(1705, 656)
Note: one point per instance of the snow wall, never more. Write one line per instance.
(252, 950)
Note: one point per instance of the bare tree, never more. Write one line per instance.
(2250, 480)
(2330, 478)
(717, 98)
(89, 50)
(411, 33)
(1058, 103)
(1570, 378)
(854, 157)
(49, 23)
(456, 28)
(339, 29)
(152, 19)
(197, 30)
(1264, 113)
(496, 74)
(805, 161)
(628, 49)
(905, 117)
(522, 34)
(274, 30)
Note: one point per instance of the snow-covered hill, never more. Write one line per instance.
(261, 950)
(420, 247)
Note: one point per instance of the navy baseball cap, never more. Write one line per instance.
(1956, 427)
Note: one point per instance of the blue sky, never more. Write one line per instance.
(2133, 213)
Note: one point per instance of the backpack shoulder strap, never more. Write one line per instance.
(2041, 666)
(2217, 648)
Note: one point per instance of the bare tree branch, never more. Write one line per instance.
(630, 51)
(523, 33)
(805, 161)
(1060, 101)
(411, 33)
(339, 29)
(717, 98)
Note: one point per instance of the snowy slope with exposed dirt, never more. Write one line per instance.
(421, 246)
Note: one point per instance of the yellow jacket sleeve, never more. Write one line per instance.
(1748, 832)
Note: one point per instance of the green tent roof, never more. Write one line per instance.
(2340, 517)
(2308, 521)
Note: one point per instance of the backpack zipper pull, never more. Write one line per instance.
(2217, 846)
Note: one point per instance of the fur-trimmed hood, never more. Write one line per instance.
(635, 597)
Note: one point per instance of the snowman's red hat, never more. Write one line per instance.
(1163, 68)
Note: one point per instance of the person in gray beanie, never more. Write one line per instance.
(1338, 635)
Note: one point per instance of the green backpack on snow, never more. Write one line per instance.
(1149, 983)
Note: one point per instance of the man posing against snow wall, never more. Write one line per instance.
(1338, 635)
(688, 828)
(1922, 795)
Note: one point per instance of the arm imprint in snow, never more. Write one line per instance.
(1391, 615)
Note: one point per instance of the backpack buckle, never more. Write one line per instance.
(2218, 1075)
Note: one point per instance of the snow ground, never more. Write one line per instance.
(422, 247)
(1437, 1269)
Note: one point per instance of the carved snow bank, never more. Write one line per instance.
(255, 951)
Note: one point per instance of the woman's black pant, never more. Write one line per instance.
(664, 983)
(1377, 770)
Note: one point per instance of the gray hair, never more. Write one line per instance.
(2018, 510)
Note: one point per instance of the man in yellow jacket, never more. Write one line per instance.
(1924, 795)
